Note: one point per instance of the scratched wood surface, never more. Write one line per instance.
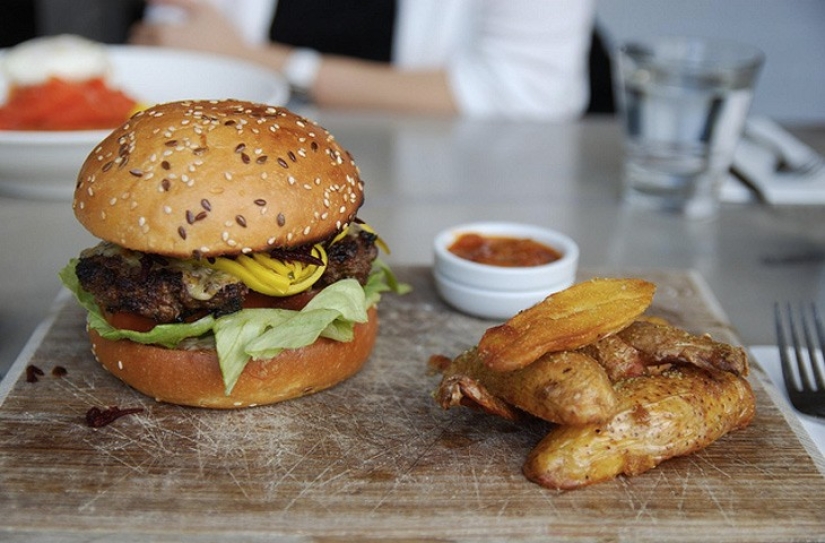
(372, 459)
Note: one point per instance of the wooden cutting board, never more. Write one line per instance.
(373, 458)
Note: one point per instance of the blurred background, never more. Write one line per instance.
(790, 32)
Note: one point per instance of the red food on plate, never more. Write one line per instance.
(58, 104)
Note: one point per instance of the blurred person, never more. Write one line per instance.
(477, 58)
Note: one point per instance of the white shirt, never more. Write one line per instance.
(504, 58)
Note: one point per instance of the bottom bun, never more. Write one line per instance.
(194, 377)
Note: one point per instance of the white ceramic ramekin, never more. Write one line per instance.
(498, 292)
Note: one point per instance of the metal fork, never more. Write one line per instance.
(803, 376)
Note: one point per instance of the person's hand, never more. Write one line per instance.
(202, 28)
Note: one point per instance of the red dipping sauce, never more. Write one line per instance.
(503, 251)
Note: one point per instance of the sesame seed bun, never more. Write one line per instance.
(193, 378)
(217, 177)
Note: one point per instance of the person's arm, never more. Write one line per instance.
(341, 81)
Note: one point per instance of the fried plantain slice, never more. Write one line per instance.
(566, 388)
(678, 412)
(565, 321)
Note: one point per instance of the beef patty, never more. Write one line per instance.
(170, 290)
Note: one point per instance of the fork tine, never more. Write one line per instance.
(802, 366)
(805, 383)
(820, 336)
(782, 342)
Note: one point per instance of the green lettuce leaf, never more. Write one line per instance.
(257, 333)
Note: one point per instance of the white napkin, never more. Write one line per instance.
(768, 359)
(757, 163)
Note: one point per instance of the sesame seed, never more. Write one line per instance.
(283, 163)
(281, 219)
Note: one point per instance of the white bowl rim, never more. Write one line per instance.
(566, 245)
(50, 137)
(514, 279)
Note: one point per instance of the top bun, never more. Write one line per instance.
(211, 178)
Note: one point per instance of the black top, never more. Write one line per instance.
(361, 29)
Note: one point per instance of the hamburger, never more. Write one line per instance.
(233, 269)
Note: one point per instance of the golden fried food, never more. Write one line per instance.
(645, 345)
(568, 387)
(462, 390)
(661, 343)
(564, 321)
(676, 413)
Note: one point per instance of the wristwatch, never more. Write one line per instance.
(301, 70)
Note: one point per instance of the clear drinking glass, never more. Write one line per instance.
(683, 104)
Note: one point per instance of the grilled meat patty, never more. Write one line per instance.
(170, 290)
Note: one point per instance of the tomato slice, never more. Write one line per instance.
(131, 321)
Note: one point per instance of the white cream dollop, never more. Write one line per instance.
(68, 57)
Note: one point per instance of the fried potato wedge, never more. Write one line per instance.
(678, 412)
(463, 390)
(661, 343)
(568, 387)
(565, 321)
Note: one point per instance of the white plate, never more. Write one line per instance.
(45, 164)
